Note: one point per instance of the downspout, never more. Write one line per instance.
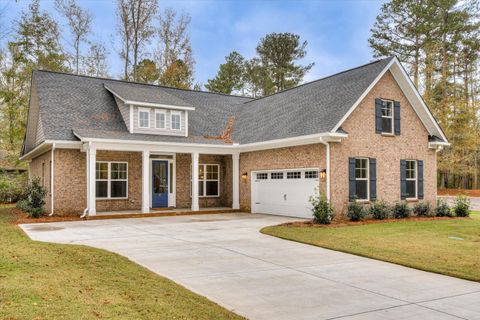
(327, 159)
(52, 173)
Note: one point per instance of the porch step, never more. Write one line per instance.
(160, 214)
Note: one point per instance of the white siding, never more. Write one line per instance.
(152, 130)
(125, 111)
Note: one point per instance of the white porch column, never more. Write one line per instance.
(195, 206)
(235, 181)
(91, 163)
(146, 182)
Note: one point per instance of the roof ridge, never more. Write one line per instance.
(324, 78)
(140, 83)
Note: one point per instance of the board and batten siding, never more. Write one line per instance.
(124, 111)
(152, 129)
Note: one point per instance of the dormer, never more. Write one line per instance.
(147, 109)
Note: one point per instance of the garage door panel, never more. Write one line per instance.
(289, 197)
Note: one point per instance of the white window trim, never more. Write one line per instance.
(204, 180)
(164, 119)
(147, 110)
(414, 179)
(367, 178)
(172, 113)
(109, 180)
(387, 117)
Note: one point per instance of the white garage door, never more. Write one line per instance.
(284, 192)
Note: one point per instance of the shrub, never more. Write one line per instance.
(322, 210)
(443, 209)
(355, 211)
(34, 199)
(461, 206)
(401, 210)
(422, 209)
(379, 210)
(12, 187)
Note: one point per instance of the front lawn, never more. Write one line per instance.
(423, 245)
(51, 281)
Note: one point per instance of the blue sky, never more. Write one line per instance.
(336, 31)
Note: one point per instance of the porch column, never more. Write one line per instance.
(235, 181)
(195, 206)
(91, 167)
(146, 182)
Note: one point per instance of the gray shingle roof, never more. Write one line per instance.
(80, 104)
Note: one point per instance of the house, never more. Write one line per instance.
(107, 145)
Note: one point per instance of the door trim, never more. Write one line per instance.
(172, 177)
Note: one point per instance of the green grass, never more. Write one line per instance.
(419, 244)
(51, 281)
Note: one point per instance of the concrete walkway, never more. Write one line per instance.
(226, 259)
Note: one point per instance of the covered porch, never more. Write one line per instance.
(127, 178)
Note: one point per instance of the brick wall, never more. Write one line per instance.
(183, 167)
(36, 165)
(362, 141)
(307, 156)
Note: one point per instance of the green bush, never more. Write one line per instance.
(34, 199)
(422, 209)
(379, 210)
(443, 209)
(12, 187)
(461, 206)
(356, 211)
(322, 210)
(401, 210)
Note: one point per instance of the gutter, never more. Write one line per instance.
(327, 159)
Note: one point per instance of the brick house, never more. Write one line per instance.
(108, 145)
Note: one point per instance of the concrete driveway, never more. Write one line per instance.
(225, 258)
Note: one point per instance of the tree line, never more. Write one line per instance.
(439, 42)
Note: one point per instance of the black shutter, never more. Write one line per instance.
(351, 179)
(373, 179)
(420, 179)
(378, 115)
(403, 179)
(396, 116)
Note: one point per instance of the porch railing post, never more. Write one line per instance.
(235, 181)
(195, 206)
(146, 182)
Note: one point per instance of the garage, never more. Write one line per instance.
(284, 192)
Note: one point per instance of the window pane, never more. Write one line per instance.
(176, 121)
(311, 174)
(387, 125)
(276, 175)
(212, 188)
(118, 189)
(387, 108)
(262, 176)
(294, 175)
(101, 190)
(201, 172)
(212, 172)
(160, 120)
(411, 188)
(118, 170)
(361, 168)
(361, 189)
(102, 170)
(144, 117)
(200, 188)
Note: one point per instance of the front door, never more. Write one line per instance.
(159, 184)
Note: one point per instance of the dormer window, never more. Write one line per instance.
(175, 120)
(143, 118)
(160, 116)
(387, 116)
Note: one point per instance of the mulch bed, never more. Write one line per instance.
(344, 223)
(455, 192)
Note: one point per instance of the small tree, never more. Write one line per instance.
(34, 199)
(379, 210)
(401, 210)
(422, 209)
(461, 206)
(443, 209)
(356, 211)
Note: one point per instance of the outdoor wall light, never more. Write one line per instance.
(323, 174)
(244, 176)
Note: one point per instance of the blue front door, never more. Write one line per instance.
(159, 184)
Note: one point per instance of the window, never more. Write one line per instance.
(311, 174)
(387, 116)
(209, 180)
(160, 119)
(361, 179)
(111, 180)
(43, 174)
(294, 175)
(144, 118)
(411, 175)
(262, 176)
(175, 120)
(276, 175)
